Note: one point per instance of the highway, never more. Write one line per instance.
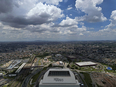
(79, 78)
(40, 76)
(27, 79)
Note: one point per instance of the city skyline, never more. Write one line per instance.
(57, 20)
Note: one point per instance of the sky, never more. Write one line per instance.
(57, 20)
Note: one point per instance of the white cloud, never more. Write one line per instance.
(28, 2)
(49, 11)
(70, 14)
(54, 2)
(81, 34)
(113, 20)
(93, 13)
(68, 22)
(68, 29)
(69, 8)
(30, 12)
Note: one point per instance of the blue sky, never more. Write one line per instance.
(57, 20)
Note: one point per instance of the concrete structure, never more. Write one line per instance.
(58, 55)
(88, 63)
(11, 75)
(1, 74)
(58, 63)
(19, 69)
(13, 64)
(59, 78)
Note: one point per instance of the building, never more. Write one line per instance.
(58, 55)
(20, 68)
(59, 77)
(88, 63)
(58, 63)
(13, 64)
(109, 68)
(71, 58)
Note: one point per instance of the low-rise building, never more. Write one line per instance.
(88, 63)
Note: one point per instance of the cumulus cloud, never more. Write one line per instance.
(48, 12)
(92, 12)
(38, 14)
(43, 28)
(68, 22)
(113, 20)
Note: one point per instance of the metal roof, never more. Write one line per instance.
(88, 63)
(59, 76)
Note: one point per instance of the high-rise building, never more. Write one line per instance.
(59, 78)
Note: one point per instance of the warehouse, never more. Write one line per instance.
(88, 63)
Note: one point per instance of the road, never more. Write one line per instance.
(80, 79)
(40, 76)
(27, 79)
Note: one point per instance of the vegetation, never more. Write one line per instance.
(87, 78)
(43, 55)
(35, 77)
(113, 67)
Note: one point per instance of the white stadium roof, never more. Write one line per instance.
(59, 78)
(88, 63)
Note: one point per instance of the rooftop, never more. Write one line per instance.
(88, 63)
(59, 76)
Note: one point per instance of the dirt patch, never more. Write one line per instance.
(103, 79)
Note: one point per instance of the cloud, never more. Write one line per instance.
(6, 6)
(68, 22)
(92, 12)
(43, 28)
(69, 8)
(113, 20)
(81, 34)
(48, 12)
(39, 14)
(54, 2)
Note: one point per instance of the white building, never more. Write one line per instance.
(19, 69)
(88, 63)
(59, 78)
(14, 63)
(58, 55)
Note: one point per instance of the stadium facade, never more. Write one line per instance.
(59, 78)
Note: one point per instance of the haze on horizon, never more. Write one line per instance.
(57, 20)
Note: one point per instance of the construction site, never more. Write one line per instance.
(103, 79)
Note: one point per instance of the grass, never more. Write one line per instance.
(35, 77)
(87, 78)
(5, 86)
(90, 69)
(82, 79)
(39, 62)
(17, 82)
